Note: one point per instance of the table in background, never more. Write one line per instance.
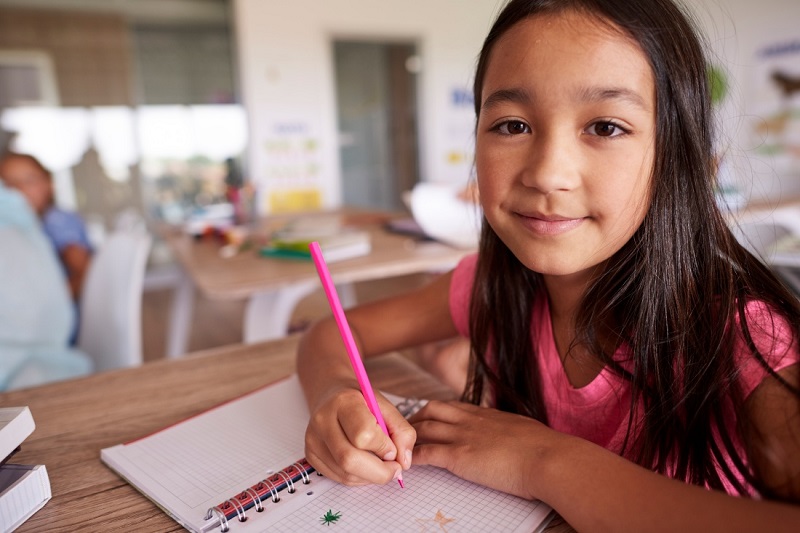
(772, 232)
(273, 287)
(76, 419)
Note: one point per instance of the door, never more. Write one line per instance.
(377, 116)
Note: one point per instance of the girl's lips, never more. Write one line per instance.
(549, 225)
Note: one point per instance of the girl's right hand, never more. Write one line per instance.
(343, 440)
(345, 443)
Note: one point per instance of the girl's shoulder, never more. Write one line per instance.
(769, 329)
(462, 280)
(460, 288)
(466, 268)
(774, 338)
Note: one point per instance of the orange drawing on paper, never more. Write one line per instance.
(430, 524)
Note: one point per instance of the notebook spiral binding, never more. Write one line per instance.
(255, 496)
(269, 488)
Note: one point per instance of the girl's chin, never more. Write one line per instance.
(556, 264)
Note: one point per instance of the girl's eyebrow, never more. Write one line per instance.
(586, 94)
(515, 95)
(599, 94)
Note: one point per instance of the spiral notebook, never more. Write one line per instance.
(239, 467)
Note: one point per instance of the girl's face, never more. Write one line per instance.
(565, 141)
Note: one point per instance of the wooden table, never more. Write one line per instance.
(76, 419)
(273, 287)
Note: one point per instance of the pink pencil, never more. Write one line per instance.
(347, 337)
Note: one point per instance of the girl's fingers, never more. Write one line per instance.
(348, 445)
(337, 459)
(439, 455)
(433, 431)
(324, 464)
(449, 412)
(363, 432)
(403, 435)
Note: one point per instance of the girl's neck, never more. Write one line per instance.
(565, 294)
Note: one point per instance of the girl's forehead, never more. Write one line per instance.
(590, 34)
(571, 22)
(563, 48)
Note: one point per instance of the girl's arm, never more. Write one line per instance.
(773, 437)
(596, 490)
(343, 441)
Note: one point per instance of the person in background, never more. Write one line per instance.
(36, 311)
(66, 230)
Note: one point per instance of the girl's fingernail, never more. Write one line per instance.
(389, 456)
(408, 459)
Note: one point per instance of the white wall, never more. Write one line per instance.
(739, 31)
(286, 63)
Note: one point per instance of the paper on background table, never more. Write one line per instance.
(204, 460)
(444, 216)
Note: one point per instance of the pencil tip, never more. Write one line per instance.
(402, 485)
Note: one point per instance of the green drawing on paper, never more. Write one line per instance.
(330, 518)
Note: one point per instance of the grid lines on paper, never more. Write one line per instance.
(225, 450)
(434, 500)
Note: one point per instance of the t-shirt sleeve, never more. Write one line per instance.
(460, 291)
(773, 338)
(64, 228)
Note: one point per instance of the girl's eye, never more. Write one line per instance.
(513, 127)
(606, 129)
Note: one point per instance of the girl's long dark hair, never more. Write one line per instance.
(671, 294)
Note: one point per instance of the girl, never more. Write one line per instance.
(631, 364)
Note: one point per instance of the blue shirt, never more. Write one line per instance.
(65, 228)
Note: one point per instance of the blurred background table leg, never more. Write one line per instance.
(180, 317)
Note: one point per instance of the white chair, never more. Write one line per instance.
(111, 301)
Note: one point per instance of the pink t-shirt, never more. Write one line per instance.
(599, 411)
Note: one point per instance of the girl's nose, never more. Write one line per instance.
(552, 163)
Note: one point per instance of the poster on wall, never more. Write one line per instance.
(776, 100)
(293, 167)
(459, 151)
